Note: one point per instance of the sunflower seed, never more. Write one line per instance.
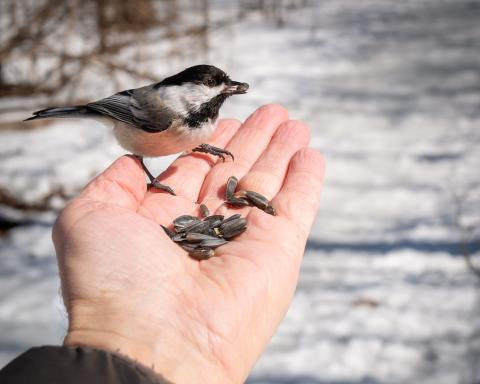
(214, 220)
(213, 242)
(215, 224)
(233, 217)
(232, 183)
(199, 227)
(238, 202)
(184, 221)
(204, 211)
(188, 247)
(238, 222)
(231, 233)
(257, 199)
(194, 237)
(201, 253)
(232, 228)
(168, 231)
(271, 211)
(179, 237)
(240, 194)
(260, 202)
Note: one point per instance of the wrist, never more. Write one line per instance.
(158, 348)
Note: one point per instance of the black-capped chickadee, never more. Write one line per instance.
(177, 114)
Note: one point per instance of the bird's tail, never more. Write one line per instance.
(59, 112)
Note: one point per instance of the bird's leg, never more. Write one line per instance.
(207, 148)
(153, 180)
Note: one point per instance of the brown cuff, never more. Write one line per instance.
(52, 365)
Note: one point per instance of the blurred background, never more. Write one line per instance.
(389, 290)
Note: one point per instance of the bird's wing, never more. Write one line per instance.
(134, 109)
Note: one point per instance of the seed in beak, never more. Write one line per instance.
(236, 88)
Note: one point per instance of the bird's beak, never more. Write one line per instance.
(235, 88)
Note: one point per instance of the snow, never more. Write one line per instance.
(391, 91)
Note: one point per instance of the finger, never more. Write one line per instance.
(298, 198)
(267, 174)
(247, 145)
(122, 183)
(187, 173)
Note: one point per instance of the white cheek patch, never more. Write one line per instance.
(188, 97)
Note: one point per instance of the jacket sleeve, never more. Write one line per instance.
(56, 365)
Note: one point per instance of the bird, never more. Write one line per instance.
(174, 115)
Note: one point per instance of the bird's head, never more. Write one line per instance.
(198, 92)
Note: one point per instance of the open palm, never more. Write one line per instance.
(128, 288)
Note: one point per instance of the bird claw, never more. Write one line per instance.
(156, 184)
(210, 149)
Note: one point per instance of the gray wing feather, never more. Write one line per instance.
(133, 107)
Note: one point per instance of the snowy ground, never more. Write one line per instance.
(391, 91)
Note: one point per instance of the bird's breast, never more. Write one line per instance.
(177, 138)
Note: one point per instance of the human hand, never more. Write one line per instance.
(128, 288)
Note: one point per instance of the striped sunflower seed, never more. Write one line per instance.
(232, 183)
(213, 243)
(198, 227)
(204, 211)
(168, 231)
(184, 221)
(238, 202)
(194, 237)
(233, 228)
(233, 217)
(201, 253)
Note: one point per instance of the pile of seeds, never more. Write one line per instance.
(199, 237)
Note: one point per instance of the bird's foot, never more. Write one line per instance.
(210, 149)
(156, 184)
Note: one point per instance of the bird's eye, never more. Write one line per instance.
(210, 82)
